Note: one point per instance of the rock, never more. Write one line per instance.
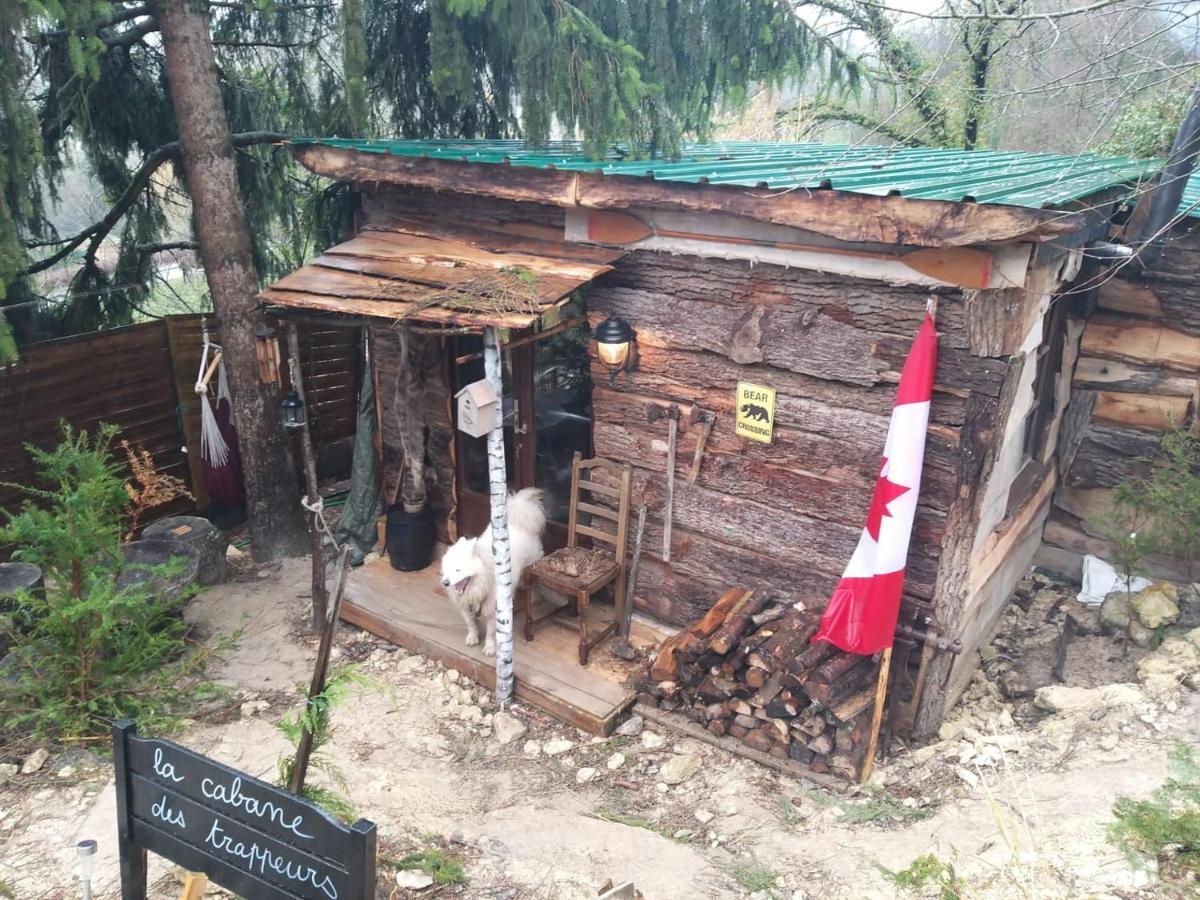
(682, 834)
(532, 748)
(703, 816)
(66, 772)
(950, 730)
(452, 675)
(679, 768)
(1166, 668)
(1157, 605)
(616, 761)
(34, 761)
(652, 741)
(507, 727)
(556, 748)
(661, 788)
(252, 708)
(8, 771)
(1061, 698)
(586, 774)
(1110, 741)
(1114, 618)
(631, 727)
(413, 881)
(409, 665)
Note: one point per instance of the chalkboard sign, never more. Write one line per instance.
(244, 834)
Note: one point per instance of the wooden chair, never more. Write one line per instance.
(579, 572)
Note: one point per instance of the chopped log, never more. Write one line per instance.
(745, 721)
(738, 621)
(736, 730)
(755, 677)
(810, 658)
(850, 683)
(834, 668)
(843, 741)
(851, 706)
(800, 753)
(768, 615)
(759, 660)
(717, 727)
(738, 706)
(784, 706)
(760, 739)
(768, 691)
(714, 711)
(715, 617)
(821, 745)
(779, 752)
(813, 726)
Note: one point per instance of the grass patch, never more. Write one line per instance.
(753, 876)
(879, 806)
(927, 873)
(6, 890)
(444, 868)
(789, 814)
(608, 815)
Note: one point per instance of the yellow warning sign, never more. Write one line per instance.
(754, 412)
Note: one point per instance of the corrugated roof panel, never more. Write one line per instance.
(1033, 180)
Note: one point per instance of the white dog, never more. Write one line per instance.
(468, 566)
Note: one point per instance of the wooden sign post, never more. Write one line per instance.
(243, 834)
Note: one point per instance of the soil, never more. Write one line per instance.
(1018, 799)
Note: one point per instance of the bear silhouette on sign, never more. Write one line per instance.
(756, 412)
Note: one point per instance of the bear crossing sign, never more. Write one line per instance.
(754, 412)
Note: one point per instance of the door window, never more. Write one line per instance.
(562, 414)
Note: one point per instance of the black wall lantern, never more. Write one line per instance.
(292, 408)
(614, 345)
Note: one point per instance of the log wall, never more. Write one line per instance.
(783, 518)
(1138, 372)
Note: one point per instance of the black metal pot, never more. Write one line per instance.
(410, 538)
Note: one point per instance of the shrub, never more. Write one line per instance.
(1164, 831)
(90, 650)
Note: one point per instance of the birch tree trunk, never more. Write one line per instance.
(276, 523)
(501, 549)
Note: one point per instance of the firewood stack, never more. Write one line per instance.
(748, 669)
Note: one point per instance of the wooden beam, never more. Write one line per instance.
(1141, 342)
(857, 218)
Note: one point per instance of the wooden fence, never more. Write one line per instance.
(140, 379)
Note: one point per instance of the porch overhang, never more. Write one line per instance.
(443, 276)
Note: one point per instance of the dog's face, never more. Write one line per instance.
(460, 565)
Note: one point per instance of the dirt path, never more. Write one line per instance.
(554, 812)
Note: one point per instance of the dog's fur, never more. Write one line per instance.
(468, 567)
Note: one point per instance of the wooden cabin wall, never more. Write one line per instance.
(1138, 372)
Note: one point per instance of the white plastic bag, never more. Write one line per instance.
(1100, 579)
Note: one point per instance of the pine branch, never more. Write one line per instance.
(875, 126)
(98, 231)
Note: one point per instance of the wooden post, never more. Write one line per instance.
(319, 598)
(885, 666)
(321, 668)
(194, 886)
(132, 858)
(501, 549)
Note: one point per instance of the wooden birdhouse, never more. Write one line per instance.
(478, 409)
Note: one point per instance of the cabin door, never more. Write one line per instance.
(547, 418)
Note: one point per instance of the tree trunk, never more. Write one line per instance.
(498, 478)
(272, 492)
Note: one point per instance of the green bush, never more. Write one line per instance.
(88, 651)
(1164, 831)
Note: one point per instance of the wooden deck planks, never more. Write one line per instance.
(406, 608)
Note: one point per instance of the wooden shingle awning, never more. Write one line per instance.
(443, 275)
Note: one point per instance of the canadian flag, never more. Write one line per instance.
(861, 615)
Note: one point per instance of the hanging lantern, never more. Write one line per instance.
(293, 411)
(614, 344)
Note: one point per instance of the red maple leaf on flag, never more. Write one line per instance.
(885, 492)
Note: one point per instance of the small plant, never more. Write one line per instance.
(147, 488)
(879, 806)
(789, 813)
(1170, 493)
(620, 818)
(1164, 831)
(316, 716)
(444, 868)
(753, 876)
(93, 647)
(926, 873)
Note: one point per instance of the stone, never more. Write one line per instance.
(586, 774)
(556, 748)
(661, 788)
(413, 881)
(34, 761)
(8, 771)
(652, 741)
(508, 727)
(682, 834)
(1110, 741)
(616, 761)
(252, 708)
(679, 768)
(66, 772)
(703, 816)
(631, 727)
(532, 748)
(948, 731)
(453, 676)
(1162, 671)
(1157, 605)
(409, 665)
(1062, 698)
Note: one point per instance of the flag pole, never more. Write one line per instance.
(885, 661)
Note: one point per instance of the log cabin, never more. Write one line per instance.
(804, 269)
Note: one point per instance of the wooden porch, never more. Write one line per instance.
(409, 609)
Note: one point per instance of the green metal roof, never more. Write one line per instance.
(1033, 180)
(1189, 205)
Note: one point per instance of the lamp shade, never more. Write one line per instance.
(613, 337)
(292, 408)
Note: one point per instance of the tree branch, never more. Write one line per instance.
(852, 117)
(96, 232)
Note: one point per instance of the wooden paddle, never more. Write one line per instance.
(957, 265)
